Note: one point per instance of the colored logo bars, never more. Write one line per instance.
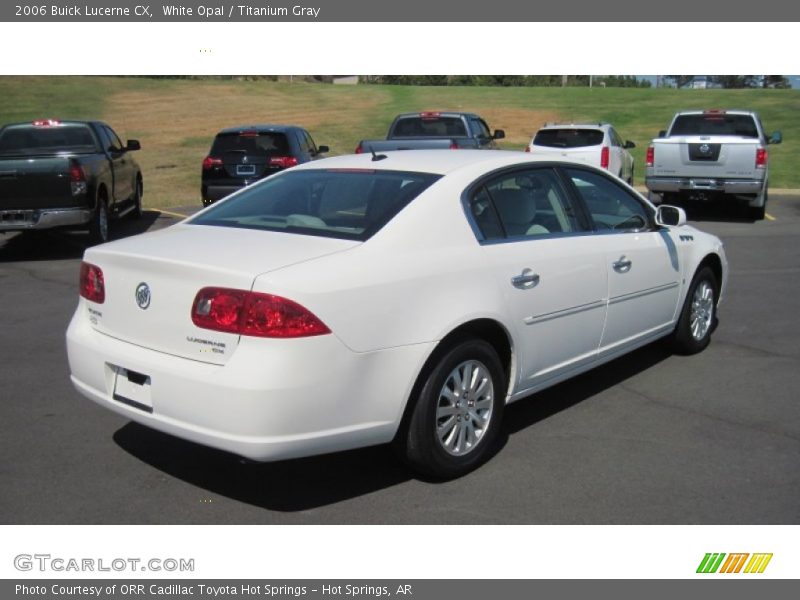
(733, 564)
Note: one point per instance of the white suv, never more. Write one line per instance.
(597, 144)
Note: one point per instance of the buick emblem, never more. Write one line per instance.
(705, 149)
(143, 295)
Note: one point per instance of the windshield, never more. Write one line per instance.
(433, 126)
(715, 124)
(568, 138)
(29, 140)
(250, 143)
(339, 203)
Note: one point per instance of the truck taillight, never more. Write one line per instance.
(284, 162)
(527, 148)
(453, 146)
(77, 179)
(650, 159)
(252, 313)
(91, 284)
(604, 157)
(359, 149)
(761, 158)
(209, 162)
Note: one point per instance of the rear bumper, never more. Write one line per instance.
(47, 218)
(273, 399)
(661, 185)
(212, 193)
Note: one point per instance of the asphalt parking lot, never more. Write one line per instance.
(649, 438)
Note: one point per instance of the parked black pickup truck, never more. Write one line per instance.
(72, 174)
(435, 130)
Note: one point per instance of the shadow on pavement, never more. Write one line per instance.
(307, 483)
(65, 245)
(730, 211)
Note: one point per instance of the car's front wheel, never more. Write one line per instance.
(457, 414)
(699, 314)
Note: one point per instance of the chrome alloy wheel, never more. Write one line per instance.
(464, 409)
(702, 311)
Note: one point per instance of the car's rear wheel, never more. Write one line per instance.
(457, 415)
(757, 213)
(699, 314)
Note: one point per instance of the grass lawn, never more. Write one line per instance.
(175, 120)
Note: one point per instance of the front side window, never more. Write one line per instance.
(337, 203)
(611, 207)
(523, 204)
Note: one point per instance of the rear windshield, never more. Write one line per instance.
(568, 138)
(29, 140)
(251, 144)
(334, 203)
(429, 127)
(715, 124)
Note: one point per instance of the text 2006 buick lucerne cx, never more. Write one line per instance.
(405, 298)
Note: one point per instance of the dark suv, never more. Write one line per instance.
(240, 156)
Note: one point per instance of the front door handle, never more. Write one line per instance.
(526, 280)
(623, 265)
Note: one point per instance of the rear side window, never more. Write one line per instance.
(523, 204)
(251, 144)
(30, 140)
(329, 203)
(568, 138)
(715, 124)
(429, 127)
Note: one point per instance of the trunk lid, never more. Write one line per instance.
(174, 264)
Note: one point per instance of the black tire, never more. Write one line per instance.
(98, 227)
(757, 213)
(420, 445)
(630, 179)
(136, 213)
(685, 339)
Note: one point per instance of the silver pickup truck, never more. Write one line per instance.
(711, 153)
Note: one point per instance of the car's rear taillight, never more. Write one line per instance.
(284, 162)
(209, 162)
(604, 156)
(92, 285)
(650, 158)
(527, 149)
(359, 149)
(453, 146)
(77, 179)
(255, 314)
(761, 158)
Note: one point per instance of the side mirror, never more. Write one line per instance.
(662, 133)
(629, 144)
(670, 216)
(133, 145)
(499, 134)
(776, 138)
(322, 149)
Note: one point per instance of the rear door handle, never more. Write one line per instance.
(525, 280)
(623, 265)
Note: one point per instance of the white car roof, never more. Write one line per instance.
(595, 125)
(439, 162)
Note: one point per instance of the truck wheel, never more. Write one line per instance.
(136, 213)
(757, 212)
(699, 314)
(98, 228)
(457, 415)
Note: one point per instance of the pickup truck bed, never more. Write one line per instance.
(73, 174)
(707, 154)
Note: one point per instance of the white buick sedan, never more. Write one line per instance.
(402, 298)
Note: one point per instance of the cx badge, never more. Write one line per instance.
(143, 295)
